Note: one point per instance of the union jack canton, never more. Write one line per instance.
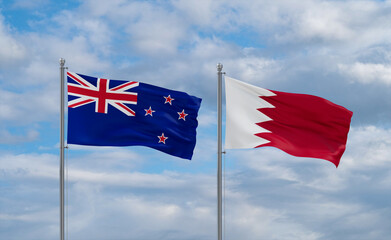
(105, 112)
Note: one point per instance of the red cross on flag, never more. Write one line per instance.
(299, 124)
(101, 94)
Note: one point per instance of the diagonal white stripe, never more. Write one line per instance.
(123, 108)
(124, 87)
(80, 79)
(79, 100)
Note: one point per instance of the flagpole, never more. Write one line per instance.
(219, 151)
(62, 68)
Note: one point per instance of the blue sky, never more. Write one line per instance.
(339, 50)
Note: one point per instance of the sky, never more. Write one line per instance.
(336, 49)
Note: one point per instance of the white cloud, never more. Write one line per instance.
(156, 37)
(368, 148)
(367, 73)
(29, 4)
(352, 24)
(171, 216)
(46, 218)
(150, 29)
(119, 157)
(252, 69)
(30, 166)
(11, 49)
(100, 169)
(135, 179)
(257, 222)
(207, 14)
(311, 21)
(76, 51)
(323, 21)
(7, 137)
(42, 216)
(96, 33)
(14, 107)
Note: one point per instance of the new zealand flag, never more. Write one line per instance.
(105, 112)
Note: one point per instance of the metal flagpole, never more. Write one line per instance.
(62, 68)
(219, 151)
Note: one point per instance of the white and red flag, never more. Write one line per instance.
(298, 124)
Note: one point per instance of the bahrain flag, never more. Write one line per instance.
(299, 124)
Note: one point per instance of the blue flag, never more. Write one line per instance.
(105, 112)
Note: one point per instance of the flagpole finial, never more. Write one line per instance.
(219, 67)
(62, 61)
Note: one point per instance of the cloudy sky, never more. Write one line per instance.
(336, 49)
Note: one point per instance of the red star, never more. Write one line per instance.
(149, 111)
(168, 100)
(182, 115)
(162, 138)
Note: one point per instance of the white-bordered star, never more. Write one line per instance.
(149, 111)
(162, 138)
(168, 99)
(182, 115)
